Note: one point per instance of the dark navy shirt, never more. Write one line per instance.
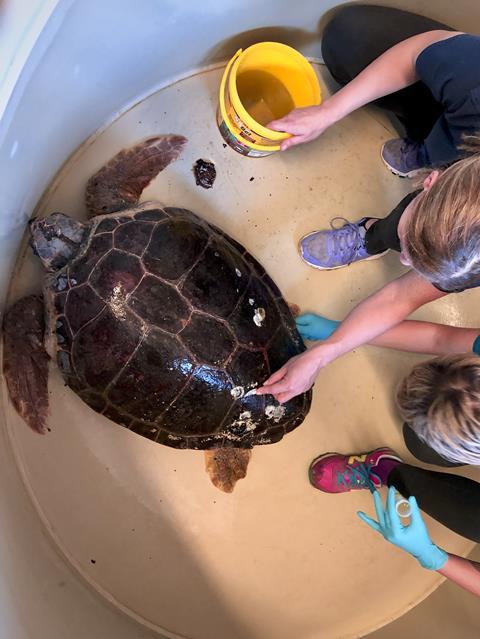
(476, 346)
(451, 70)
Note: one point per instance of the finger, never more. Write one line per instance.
(394, 519)
(275, 377)
(282, 398)
(303, 320)
(306, 334)
(282, 126)
(379, 508)
(273, 389)
(293, 141)
(370, 522)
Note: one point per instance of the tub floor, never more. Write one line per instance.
(142, 522)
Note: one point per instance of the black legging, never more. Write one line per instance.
(452, 500)
(383, 234)
(356, 36)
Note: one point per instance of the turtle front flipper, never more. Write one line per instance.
(25, 361)
(119, 184)
(225, 466)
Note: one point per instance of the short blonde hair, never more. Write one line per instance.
(440, 401)
(442, 237)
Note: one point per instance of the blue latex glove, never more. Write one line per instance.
(413, 538)
(313, 327)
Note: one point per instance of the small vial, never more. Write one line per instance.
(402, 507)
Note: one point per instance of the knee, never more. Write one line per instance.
(338, 32)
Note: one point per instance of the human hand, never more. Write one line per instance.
(297, 375)
(413, 538)
(303, 124)
(315, 327)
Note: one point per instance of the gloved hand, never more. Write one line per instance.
(314, 327)
(413, 538)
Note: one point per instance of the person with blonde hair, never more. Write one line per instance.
(440, 403)
(438, 236)
(429, 76)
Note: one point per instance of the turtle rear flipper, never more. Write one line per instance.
(225, 466)
(25, 361)
(119, 184)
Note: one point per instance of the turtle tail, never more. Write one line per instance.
(225, 466)
(119, 184)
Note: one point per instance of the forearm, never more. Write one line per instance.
(393, 70)
(427, 337)
(378, 313)
(463, 572)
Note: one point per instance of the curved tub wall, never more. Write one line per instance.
(91, 60)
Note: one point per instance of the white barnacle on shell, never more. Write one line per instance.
(244, 420)
(117, 301)
(237, 392)
(275, 412)
(251, 301)
(259, 316)
(238, 272)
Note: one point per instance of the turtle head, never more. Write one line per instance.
(56, 239)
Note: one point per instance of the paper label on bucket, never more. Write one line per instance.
(235, 143)
(240, 130)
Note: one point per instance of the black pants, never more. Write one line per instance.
(452, 500)
(357, 35)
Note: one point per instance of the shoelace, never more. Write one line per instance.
(361, 475)
(347, 238)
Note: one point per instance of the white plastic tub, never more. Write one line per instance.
(72, 69)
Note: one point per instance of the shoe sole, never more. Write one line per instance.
(410, 174)
(334, 268)
(320, 457)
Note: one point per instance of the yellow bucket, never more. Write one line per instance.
(261, 84)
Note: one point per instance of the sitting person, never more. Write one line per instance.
(424, 72)
(436, 231)
(440, 403)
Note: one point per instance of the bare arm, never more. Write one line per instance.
(380, 312)
(428, 337)
(370, 319)
(392, 71)
(463, 572)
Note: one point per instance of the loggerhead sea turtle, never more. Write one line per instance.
(157, 320)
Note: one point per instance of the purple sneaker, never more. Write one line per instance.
(339, 247)
(404, 157)
(335, 473)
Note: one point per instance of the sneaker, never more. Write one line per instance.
(404, 157)
(339, 247)
(335, 473)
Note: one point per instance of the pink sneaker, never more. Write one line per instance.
(335, 473)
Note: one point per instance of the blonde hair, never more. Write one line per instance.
(442, 236)
(440, 401)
